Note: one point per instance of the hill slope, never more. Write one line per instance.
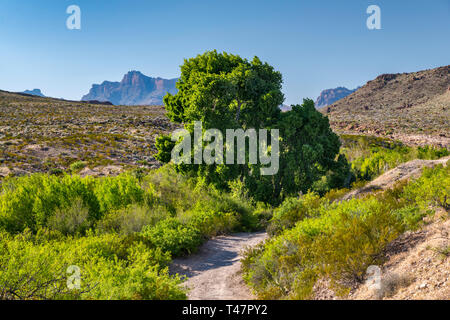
(411, 107)
(45, 134)
(134, 89)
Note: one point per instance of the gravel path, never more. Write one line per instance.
(214, 272)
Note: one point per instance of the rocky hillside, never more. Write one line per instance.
(47, 135)
(330, 96)
(417, 264)
(134, 89)
(411, 107)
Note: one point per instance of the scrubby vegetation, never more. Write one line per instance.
(50, 135)
(371, 156)
(120, 231)
(314, 238)
(80, 189)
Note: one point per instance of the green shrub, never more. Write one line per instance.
(172, 236)
(376, 160)
(339, 244)
(29, 201)
(36, 268)
(130, 220)
(70, 220)
(137, 278)
(293, 210)
(411, 216)
(120, 231)
(118, 192)
(338, 241)
(29, 272)
(77, 166)
(210, 223)
(431, 189)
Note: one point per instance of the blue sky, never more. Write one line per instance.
(316, 44)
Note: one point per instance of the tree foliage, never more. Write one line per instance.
(225, 91)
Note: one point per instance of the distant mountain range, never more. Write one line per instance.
(139, 89)
(330, 96)
(35, 92)
(134, 89)
(326, 98)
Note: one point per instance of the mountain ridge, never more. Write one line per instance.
(135, 88)
(330, 96)
(34, 92)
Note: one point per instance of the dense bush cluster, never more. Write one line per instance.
(315, 238)
(371, 157)
(120, 231)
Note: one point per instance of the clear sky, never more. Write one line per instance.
(316, 44)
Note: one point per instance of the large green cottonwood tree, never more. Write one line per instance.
(225, 91)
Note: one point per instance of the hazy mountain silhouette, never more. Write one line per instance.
(134, 89)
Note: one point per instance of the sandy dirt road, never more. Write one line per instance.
(214, 272)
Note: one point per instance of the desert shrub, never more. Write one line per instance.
(135, 281)
(375, 159)
(130, 220)
(119, 192)
(381, 161)
(336, 194)
(183, 198)
(293, 210)
(431, 189)
(224, 204)
(77, 166)
(431, 153)
(36, 268)
(56, 172)
(139, 277)
(339, 240)
(113, 247)
(391, 283)
(71, 219)
(210, 223)
(250, 95)
(411, 216)
(120, 231)
(339, 244)
(173, 236)
(29, 272)
(29, 201)
(361, 231)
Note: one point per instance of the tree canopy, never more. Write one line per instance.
(225, 91)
